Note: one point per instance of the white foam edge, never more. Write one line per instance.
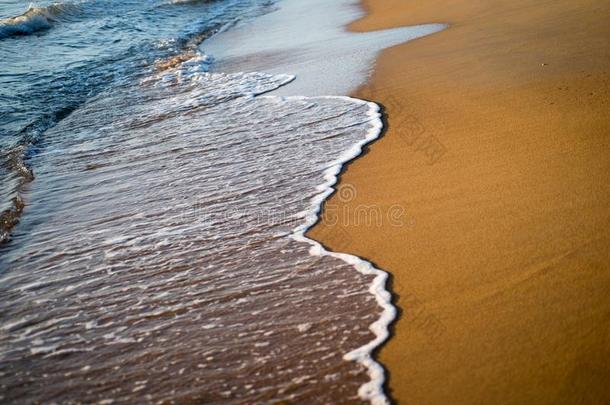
(371, 391)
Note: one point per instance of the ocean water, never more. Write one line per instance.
(55, 56)
(154, 215)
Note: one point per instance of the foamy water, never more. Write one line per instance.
(163, 256)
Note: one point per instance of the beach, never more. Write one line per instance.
(304, 202)
(497, 148)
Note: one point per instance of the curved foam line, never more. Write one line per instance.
(373, 390)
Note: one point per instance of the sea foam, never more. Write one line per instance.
(372, 390)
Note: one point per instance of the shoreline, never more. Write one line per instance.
(325, 66)
(374, 390)
(499, 270)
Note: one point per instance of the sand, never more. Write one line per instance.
(489, 200)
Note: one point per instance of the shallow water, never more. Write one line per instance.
(68, 52)
(160, 254)
(157, 257)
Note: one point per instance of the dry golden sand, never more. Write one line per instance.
(501, 264)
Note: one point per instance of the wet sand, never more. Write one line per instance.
(498, 151)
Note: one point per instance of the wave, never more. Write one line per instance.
(36, 19)
(222, 184)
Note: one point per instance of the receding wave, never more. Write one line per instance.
(166, 234)
(36, 19)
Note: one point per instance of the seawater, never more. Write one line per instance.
(158, 249)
